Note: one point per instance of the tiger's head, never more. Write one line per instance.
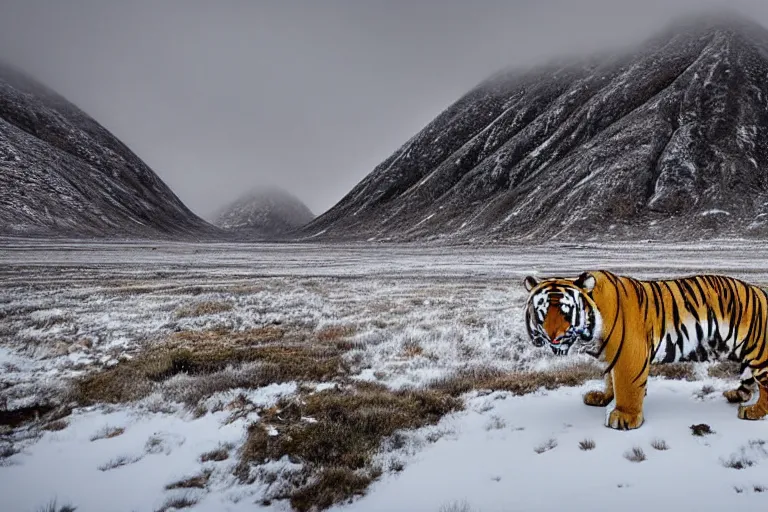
(561, 312)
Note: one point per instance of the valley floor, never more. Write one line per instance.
(194, 376)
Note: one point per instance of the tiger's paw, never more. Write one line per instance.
(752, 412)
(621, 420)
(736, 396)
(597, 398)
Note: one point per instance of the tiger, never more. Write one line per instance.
(629, 324)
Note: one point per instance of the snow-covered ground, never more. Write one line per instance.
(414, 314)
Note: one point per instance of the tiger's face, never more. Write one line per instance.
(560, 312)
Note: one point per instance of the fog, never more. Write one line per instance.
(220, 97)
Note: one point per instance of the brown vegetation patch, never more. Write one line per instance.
(21, 415)
(217, 338)
(518, 383)
(346, 428)
(219, 454)
(701, 429)
(332, 485)
(55, 426)
(195, 482)
(209, 307)
(411, 348)
(675, 371)
(134, 379)
(724, 370)
(334, 333)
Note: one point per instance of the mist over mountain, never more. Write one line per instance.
(667, 141)
(63, 174)
(263, 213)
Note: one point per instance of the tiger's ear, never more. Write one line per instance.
(586, 281)
(530, 282)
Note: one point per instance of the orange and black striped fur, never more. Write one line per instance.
(630, 324)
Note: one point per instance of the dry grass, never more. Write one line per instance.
(636, 454)
(337, 448)
(456, 506)
(8, 450)
(194, 482)
(740, 461)
(495, 423)
(177, 503)
(334, 333)
(52, 506)
(674, 371)
(587, 444)
(207, 355)
(659, 444)
(118, 462)
(411, 348)
(549, 444)
(219, 454)
(107, 432)
(701, 429)
(203, 308)
(518, 383)
(724, 370)
(55, 426)
(332, 485)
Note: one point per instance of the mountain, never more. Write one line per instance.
(668, 140)
(63, 174)
(264, 213)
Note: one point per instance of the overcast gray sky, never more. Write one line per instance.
(222, 96)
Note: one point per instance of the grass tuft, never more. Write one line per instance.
(194, 482)
(107, 432)
(701, 429)
(636, 454)
(117, 462)
(659, 444)
(547, 445)
(203, 308)
(53, 506)
(587, 444)
(177, 503)
(456, 506)
(219, 454)
(738, 462)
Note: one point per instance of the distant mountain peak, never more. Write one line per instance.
(264, 212)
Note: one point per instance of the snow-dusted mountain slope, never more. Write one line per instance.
(665, 141)
(266, 213)
(61, 173)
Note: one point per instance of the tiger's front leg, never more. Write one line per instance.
(630, 376)
(599, 398)
(759, 409)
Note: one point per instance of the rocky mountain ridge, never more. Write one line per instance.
(668, 141)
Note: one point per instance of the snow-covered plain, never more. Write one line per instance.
(68, 307)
